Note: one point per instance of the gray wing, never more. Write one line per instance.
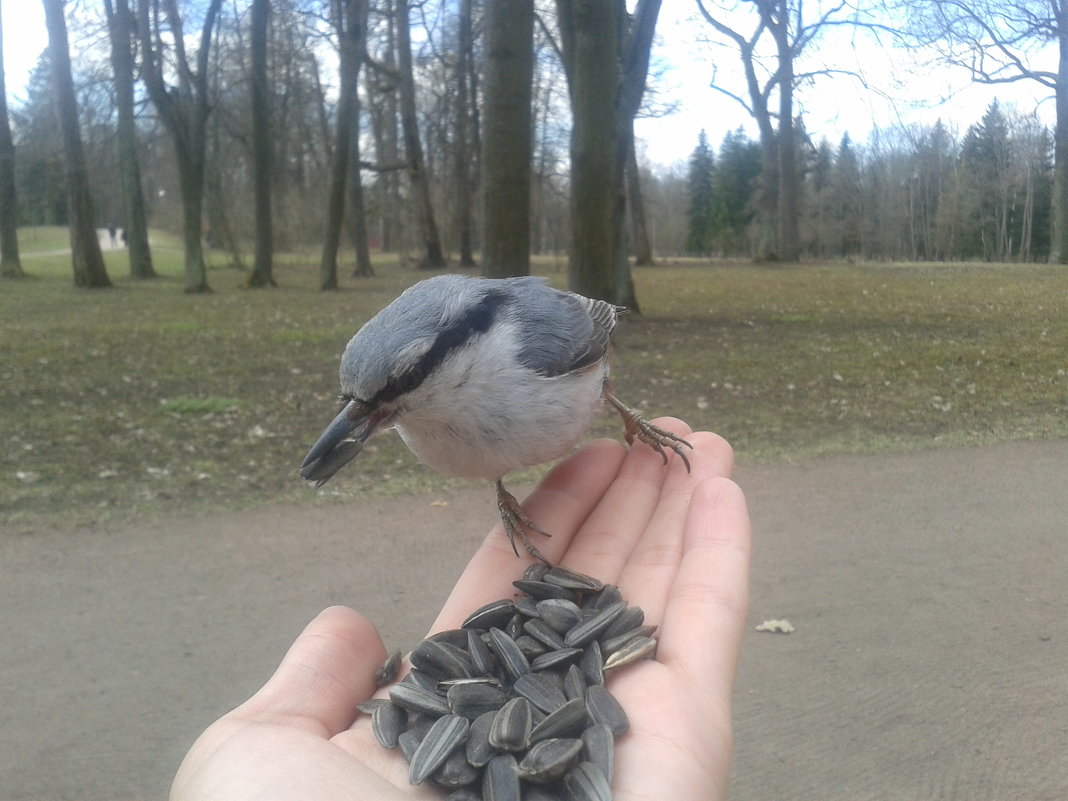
(562, 332)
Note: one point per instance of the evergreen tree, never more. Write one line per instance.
(699, 236)
(734, 194)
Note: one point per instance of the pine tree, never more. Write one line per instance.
(701, 183)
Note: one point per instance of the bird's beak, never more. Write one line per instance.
(342, 441)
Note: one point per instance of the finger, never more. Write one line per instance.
(610, 533)
(654, 561)
(560, 504)
(705, 617)
(326, 672)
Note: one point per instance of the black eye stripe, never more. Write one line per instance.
(477, 320)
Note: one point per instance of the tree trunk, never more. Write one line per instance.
(10, 264)
(87, 260)
(589, 34)
(788, 193)
(184, 110)
(506, 138)
(607, 62)
(348, 30)
(135, 226)
(643, 248)
(466, 149)
(262, 270)
(433, 257)
(1058, 251)
(357, 211)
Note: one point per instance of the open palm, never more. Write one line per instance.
(676, 543)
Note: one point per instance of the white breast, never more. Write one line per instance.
(482, 414)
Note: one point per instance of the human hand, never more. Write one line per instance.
(676, 543)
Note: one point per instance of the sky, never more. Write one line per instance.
(685, 62)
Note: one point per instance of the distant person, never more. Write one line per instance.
(111, 234)
(125, 243)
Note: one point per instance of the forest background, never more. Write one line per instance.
(860, 338)
(952, 189)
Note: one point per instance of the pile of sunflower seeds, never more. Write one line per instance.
(512, 705)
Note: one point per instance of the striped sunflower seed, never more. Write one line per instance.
(500, 781)
(491, 615)
(543, 690)
(471, 700)
(447, 734)
(418, 699)
(388, 722)
(567, 721)
(481, 658)
(590, 629)
(574, 683)
(634, 650)
(442, 659)
(632, 617)
(552, 659)
(560, 615)
(543, 589)
(478, 748)
(564, 577)
(387, 671)
(585, 782)
(549, 760)
(511, 726)
(604, 708)
(598, 745)
(511, 658)
(592, 664)
(456, 771)
(540, 630)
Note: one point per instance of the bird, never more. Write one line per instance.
(479, 377)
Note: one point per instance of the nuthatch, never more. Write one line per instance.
(480, 376)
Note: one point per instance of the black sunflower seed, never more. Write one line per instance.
(550, 759)
(500, 781)
(447, 734)
(492, 615)
(388, 722)
(604, 708)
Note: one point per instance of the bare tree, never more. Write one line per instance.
(606, 58)
(10, 264)
(349, 20)
(121, 31)
(995, 42)
(507, 138)
(262, 273)
(791, 33)
(184, 109)
(466, 132)
(86, 258)
(433, 257)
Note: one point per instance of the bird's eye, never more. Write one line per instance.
(410, 379)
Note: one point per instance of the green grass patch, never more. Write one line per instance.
(142, 399)
(186, 405)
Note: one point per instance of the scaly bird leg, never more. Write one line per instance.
(516, 523)
(653, 436)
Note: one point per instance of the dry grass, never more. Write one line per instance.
(141, 399)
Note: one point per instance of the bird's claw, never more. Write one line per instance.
(516, 524)
(657, 438)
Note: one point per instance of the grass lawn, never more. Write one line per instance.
(140, 399)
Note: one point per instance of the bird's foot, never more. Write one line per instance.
(655, 437)
(516, 524)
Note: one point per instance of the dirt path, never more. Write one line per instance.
(928, 594)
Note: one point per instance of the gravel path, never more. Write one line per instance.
(928, 592)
